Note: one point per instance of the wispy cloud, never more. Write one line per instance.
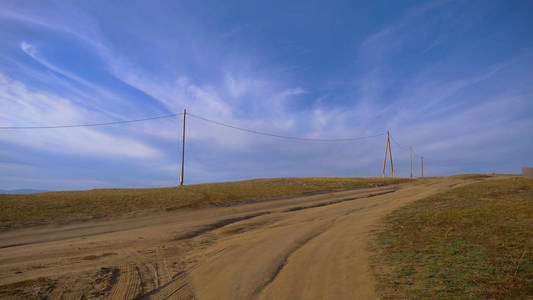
(23, 107)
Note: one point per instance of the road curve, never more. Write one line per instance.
(309, 247)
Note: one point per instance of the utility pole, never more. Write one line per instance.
(411, 160)
(422, 160)
(389, 150)
(183, 149)
(385, 159)
(390, 153)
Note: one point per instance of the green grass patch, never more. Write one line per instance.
(472, 242)
(42, 208)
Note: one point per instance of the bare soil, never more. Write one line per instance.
(308, 247)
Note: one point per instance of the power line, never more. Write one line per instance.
(403, 147)
(92, 124)
(224, 125)
(392, 138)
(284, 136)
(200, 118)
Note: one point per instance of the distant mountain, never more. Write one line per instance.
(22, 191)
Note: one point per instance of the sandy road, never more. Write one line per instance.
(309, 247)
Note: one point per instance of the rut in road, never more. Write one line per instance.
(286, 258)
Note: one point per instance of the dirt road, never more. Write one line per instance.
(310, 247)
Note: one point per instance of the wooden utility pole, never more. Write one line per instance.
(183, 149)
(385, 159)
(390, 153)
(411, 160)
(422, 160)
(389, 150)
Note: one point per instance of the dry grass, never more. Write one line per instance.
(32, 209)
(467, 176)
(473, 242)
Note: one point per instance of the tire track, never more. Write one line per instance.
(180, 285)
(178, 288)
(128, 285)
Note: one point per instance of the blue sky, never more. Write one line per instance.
(454, 79)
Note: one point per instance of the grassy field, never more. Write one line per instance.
(473, 242)
(31, 209)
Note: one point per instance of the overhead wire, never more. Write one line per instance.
(92, 124)
(200, 118)
(398, 144)
(404, 147)
(283, 136)
(415, 155)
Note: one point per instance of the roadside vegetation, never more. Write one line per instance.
(472, 242)
(467, 176)
(62, 207)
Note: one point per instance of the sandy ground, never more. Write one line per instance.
(310, 247)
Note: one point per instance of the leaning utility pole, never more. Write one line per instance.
(385, 159)
(390, 153)
(389, 150)
(422, 160)
(411, 159)
(183, 149)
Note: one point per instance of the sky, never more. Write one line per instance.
(452, 79)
